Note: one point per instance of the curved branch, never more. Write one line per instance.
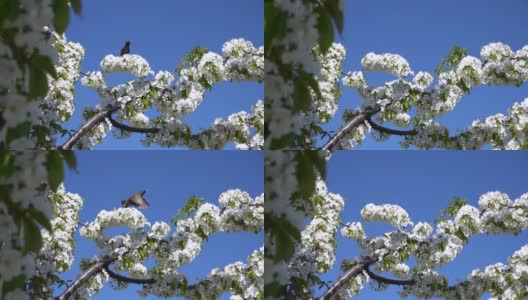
(92, 122)
(387, 280)
(355, 122)
(128, 279)
(130, 128)
(353, 272)
(88, 274)
(389, 130)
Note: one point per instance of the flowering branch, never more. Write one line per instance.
(389, 130)
(130, 128)
(387, 280)
(128, 279)
(92, 271)
(353, 272)
(88, 126)
(355, 122)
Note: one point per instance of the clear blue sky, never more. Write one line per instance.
(424, 183)
(163, 33)
(107, 177)
(424, 32)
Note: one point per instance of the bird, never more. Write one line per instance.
(136, 200)
(125, 49)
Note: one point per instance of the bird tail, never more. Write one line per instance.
(124, 203)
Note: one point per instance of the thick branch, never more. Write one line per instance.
(128, 279)
(130, 128)
(355, 122)
(88, 274)
(94, 121)
(389, 130)
(353, 272)
(387, 280)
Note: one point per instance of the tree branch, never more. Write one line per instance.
(88, 274)
(92, 122)
(356, 121)
(128, 279)
(130, 128)
(387, 280)
(353, 272)
(389, 130)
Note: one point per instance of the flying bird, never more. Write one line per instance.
(125, 49)
(136, 200)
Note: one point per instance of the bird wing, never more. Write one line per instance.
(144, 204)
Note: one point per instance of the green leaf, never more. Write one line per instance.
(301, 95)
(337, 15)
(69, 158)
(269, 15)
(40, 217)
(44, 62)
(283, 142)
(319, 162)
(272, 289)
(22, 129)
(192, 204)
(32, 237)
(61, 15)
(305, 174)
(17, 282)
(312, 82)
(55, 167)
(77, 6)
(285, 233)
(326, 30)
(38, 82)
(7, 166)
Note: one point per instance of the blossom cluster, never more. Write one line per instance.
(24, 186)
(58, 106)
(500, 131)
(15, 110)
(56, 254)
(241, 61)
(283, 204)
(236, 212)
(392, 63)
(300, 37)
(496, 214)
(316, 254)
(499, 66)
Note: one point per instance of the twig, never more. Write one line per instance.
(128, 279)
(389, 130)
(88, 274)
(353, 272)
(94, 121)
(130, 128)
(387, 280)
(356, 121)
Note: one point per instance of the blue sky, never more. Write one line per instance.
(163, 33)
(424, 183)
(107, 177)
(423, 32)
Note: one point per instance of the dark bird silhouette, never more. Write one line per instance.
(136, 200)
(125, 49)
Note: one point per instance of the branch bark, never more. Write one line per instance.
(130, 128)
(128, 279)
(389, 130)
(388, 280)
(94, 121)
(355, 122)
(88, 274)
(353, 272)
